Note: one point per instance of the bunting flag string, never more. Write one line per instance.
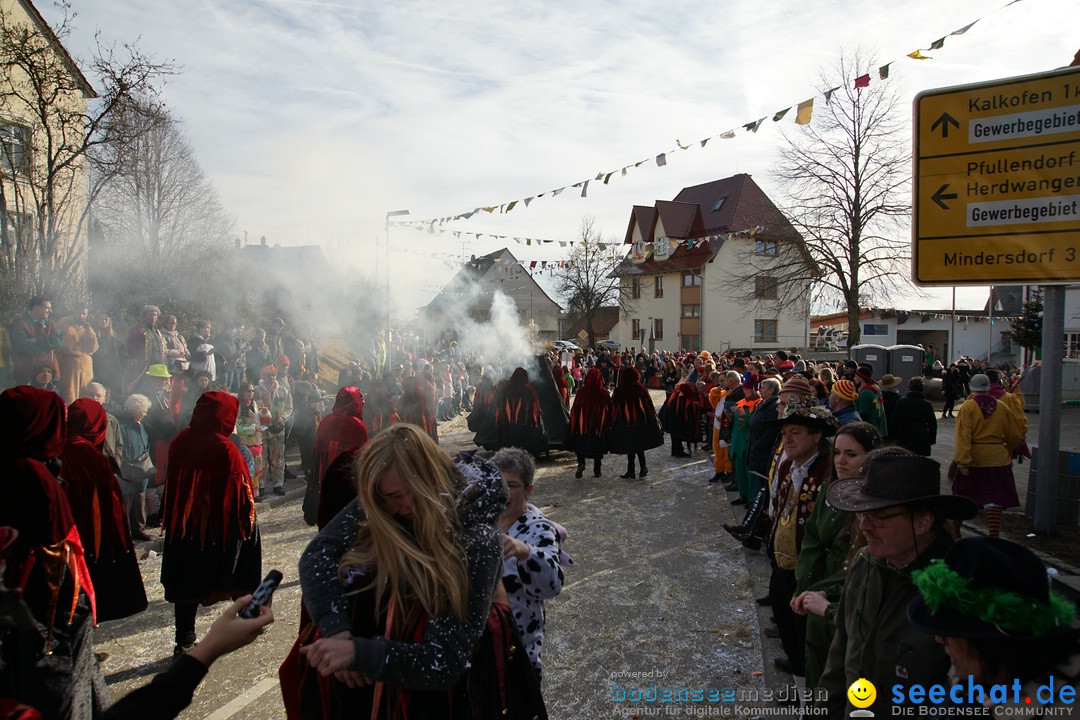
(802, 117)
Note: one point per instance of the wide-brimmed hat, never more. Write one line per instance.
(845, 390)
(888, 380)
(988, 588)
(979, 383)
(898, 478)
(817, 418)
(158, 371)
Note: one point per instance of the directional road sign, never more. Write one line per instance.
(997, 182)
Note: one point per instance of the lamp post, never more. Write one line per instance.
(386, 338)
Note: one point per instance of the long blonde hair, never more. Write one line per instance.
(428, 565)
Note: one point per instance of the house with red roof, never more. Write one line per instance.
(696, 272)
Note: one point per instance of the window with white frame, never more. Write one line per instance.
(765, 247)
(658, 287)
(1072, 346)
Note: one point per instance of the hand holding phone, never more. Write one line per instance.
(262, 594)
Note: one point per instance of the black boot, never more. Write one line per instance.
(629, 468)
(641, 462)
(757, 507)
(580, 467)
(596, 467)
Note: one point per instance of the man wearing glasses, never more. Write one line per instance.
(902, 515)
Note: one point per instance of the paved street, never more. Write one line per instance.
(658, 593)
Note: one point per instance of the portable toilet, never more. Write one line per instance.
(906, 361)
(1029, 385)
(877, 356)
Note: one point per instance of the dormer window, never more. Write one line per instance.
(719, 203)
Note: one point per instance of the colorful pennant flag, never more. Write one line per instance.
(937, 44)
(829, 94)
(661, 160)
(917, 55)
(964, 29)
(883, 71)
(753, 126)
(862, 81)
(805, 112)
(780, 115)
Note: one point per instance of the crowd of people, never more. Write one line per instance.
(425, 585)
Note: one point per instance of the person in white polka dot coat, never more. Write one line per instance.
(532, 553)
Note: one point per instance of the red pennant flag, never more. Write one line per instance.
(532, 265)
(862, 81)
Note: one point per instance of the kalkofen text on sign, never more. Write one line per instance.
(997, 182)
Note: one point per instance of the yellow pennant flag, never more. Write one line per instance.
(917, 55)
(805, 112)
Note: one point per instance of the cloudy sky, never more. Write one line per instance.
(313, 119)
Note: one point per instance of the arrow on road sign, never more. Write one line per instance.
(942, 195)
(944, 121)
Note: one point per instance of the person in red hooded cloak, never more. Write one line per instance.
(635, 428)
(590, 421)
(341, 435)
(213, 549)
(519, 422)
(50, 665)
(100, 513)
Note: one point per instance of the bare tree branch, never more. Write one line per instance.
(588, 280)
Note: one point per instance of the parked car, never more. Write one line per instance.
(612, 345)
(561, 345)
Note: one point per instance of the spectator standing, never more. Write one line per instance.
(176, 347)
(532, 556)
(138, 466)
(870, 404)
(276, 398)
(914, 422)
(341, 435)
(75, 356)
(110, 357)
(34, 341)
(145, 345)
(251, 421)
(902, 516)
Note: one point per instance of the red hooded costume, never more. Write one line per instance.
(213, 548)
(381, 408)
(559, 376)
(681, 414)
(519, 421)
(97, 505)
(418, 405)
(635, 425)
(341, 433)
(45, 561)
(591, 418)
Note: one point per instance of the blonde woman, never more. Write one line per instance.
(400, 585)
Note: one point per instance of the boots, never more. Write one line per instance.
(596, 467)
(644, 470)
(580, 467)
(629, 468)
(749, 532)
(677, 448)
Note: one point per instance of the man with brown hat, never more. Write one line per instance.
(901, 513)
(799, 476)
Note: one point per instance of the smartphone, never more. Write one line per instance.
(262, 594)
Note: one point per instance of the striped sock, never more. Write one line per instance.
(993, 520)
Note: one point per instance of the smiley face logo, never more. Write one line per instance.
(862, 693)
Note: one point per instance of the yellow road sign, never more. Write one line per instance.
(997, 181)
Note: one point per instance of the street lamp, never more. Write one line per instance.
(386, 338)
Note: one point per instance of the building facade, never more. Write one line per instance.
(684, 272)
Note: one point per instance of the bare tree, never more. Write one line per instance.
(845, 177)
(157, 201)
(53, 119)
(589, 280)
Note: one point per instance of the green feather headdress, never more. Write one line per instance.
(942, 587)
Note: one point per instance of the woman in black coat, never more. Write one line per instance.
(951, 386)
(915, 425)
